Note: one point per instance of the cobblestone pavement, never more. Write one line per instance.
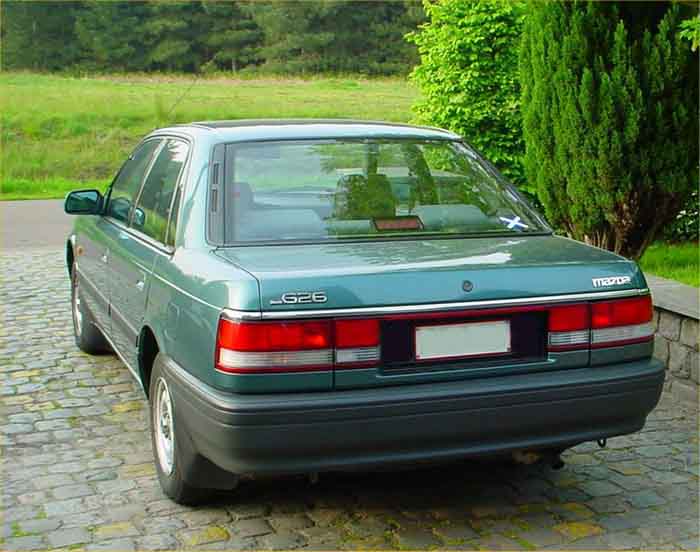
(77, 469)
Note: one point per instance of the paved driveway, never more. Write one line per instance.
(35, 224)
(77, 469)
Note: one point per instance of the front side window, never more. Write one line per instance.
(334, 190)
(128, 181)
(154, 204)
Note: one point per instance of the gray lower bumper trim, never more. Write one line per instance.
(278, 433)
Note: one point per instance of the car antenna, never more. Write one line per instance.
(182, 96)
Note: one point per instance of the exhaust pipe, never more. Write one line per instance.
(529, 457)
(526, 457)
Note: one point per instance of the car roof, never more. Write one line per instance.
(243, 130)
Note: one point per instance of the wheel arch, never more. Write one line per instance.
(148, 349)
(70, 257)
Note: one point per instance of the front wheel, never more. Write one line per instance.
(88, 337)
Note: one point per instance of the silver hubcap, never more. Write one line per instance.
(163, 426)
(77, 314)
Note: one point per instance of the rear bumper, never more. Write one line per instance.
(308, 432)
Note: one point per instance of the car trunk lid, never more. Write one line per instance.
(400, 273)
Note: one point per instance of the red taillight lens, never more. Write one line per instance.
(568, 327)
(357, 343)
(603, 324)
(624, 312)
(265, 347)
(568, 318)
(356, 333)
(274, 336)
(621, 322)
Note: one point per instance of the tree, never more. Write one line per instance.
(609, 103)
(691, 31)
(39, 35)
(295, 37)
(305, 36)
(233, 39)
(468, 76)
(175, 33)
(112, 35)
(156, 35)
(312, 36)
(368, 37)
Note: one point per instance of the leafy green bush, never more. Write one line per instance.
(691, 31)
(468, 76)
(610, 119)
(686, 226)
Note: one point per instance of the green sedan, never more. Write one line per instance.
(313, 295)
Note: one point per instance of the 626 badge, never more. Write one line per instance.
(301, 297)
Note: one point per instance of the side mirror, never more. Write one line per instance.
(139, 219)
(83, 202)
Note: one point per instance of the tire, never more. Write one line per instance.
(169, 452)
(88, 337)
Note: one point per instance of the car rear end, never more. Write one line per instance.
(413, 308)
(426, 385)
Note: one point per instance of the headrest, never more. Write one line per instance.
(242, 195)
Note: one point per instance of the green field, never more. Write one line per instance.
(59, 133)
(675, 261)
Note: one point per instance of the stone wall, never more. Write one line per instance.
(677, 338)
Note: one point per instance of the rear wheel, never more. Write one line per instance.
(167, 449)
(88, 337)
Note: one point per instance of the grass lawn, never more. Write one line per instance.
(674, 261)
(47, 188)
(60, 133)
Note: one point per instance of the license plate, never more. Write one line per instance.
(463, 340)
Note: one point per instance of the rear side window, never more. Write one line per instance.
(128, 181)
(157, 196)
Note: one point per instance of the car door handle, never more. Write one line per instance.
(140, 285)
(104, 258)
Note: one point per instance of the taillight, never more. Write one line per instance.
(265, 347)
(259, 347)
(600, 324)
(624, 312)
(569, 327)
(357, 342)
(621, 322)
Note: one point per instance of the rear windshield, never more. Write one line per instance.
(367, 189)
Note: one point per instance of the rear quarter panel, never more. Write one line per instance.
(187, 294)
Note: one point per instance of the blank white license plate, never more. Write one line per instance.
(463, 340)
